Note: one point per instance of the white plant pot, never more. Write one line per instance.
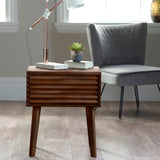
(76, 56)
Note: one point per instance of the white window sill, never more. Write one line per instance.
(153, 28)
(9, 26)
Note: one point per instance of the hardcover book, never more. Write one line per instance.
(80, 65)
(51, 65)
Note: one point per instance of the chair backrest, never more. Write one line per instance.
(117, 44)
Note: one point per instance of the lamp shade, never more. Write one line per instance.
(71, 4)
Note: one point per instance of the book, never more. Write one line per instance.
(80, 65)
(52, 65)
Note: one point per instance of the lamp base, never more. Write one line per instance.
(51, 65)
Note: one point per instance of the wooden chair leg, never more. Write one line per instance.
(121, 102)
(136, 96)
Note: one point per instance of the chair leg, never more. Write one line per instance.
(103, 88)
(158, 87)
(121, 102)
(136, 96)
(101, 93)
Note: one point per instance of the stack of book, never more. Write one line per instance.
(51, 65)
(80, 65)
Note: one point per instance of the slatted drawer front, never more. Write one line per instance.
(59, 90)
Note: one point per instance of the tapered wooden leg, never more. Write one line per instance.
(34, 130)
(90, 116)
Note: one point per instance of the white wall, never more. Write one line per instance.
(14, 56)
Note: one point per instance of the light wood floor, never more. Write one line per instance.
(63, 132)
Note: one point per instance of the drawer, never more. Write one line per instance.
(62, 90)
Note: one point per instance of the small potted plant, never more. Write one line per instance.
(76, 51)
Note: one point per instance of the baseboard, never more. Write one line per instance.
(14, 89)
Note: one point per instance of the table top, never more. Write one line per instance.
(94, 70)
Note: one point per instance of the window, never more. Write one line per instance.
(2, 10)
(8, 16)
(111, 11)
(104, 11)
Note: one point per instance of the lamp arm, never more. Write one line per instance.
(56, 5)
(41, 18)
(46, 14)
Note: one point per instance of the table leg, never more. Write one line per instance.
(90, 116)
(34, 130)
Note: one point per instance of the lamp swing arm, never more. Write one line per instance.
(46, 14)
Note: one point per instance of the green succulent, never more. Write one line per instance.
(76, 47)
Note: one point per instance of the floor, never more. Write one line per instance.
(63, 132)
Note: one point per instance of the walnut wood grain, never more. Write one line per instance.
(50, 77)
(68, 87)
(59, 96)
(63, 88)
(36, 70)
(36, 111)
(84, 92)
(64, 81)
(49, 86)
(90, 116)
(57, 101)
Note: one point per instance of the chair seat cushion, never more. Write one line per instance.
(128, 75)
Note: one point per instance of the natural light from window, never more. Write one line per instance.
(2, 10)
(111, 11)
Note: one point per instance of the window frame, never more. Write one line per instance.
(63, 26)
(12, 24)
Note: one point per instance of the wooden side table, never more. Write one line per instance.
(63, 88)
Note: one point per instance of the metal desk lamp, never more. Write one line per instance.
(70, 4)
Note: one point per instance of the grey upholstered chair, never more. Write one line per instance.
(119, 51)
